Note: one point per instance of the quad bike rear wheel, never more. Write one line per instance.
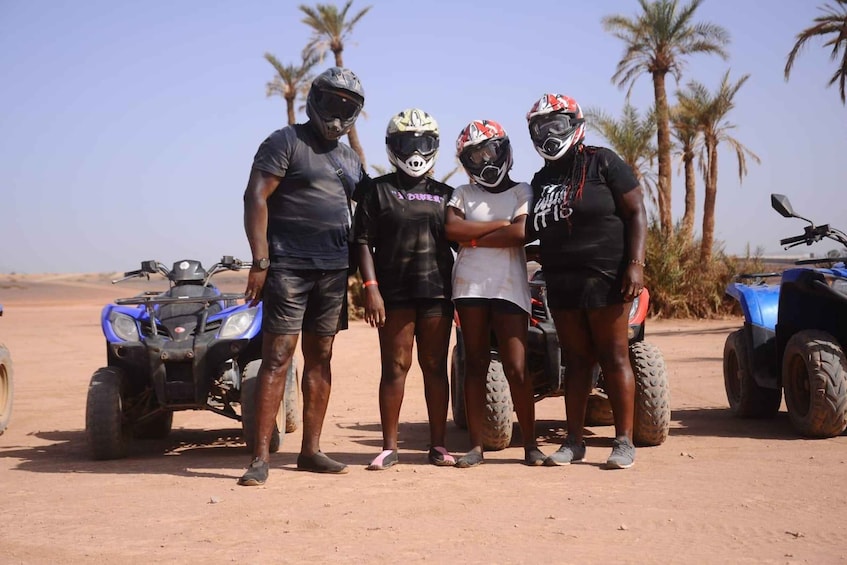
(652, 394)
(107, 433)
(7, 388)
(249, 389)
(746, 398)
(814, 376)
(497, 425)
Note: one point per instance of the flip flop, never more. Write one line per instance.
(440, 457)
(320, 463)
(384, 460)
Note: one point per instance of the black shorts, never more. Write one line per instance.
(580, 290)
(497, 305)
(425, 307)
(309, 300)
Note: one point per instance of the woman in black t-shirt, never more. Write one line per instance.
(588, 215)
(406, 264)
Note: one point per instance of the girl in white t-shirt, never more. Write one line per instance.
(490, 289)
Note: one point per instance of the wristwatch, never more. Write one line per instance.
(262, 264)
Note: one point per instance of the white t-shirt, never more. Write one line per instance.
(492, 272)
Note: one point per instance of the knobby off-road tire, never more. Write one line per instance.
(497, 424)
(457, 389)
(249, 389)
(7, 388)
(107, 433)
(814, 376)
(652, 394)
(156, 427)
(746, 398)
(291, 400)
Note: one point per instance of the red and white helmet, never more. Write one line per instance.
(556, 125)
(484, 150)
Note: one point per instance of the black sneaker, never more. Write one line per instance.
(257, 474)
(570, 452)
(623, 454)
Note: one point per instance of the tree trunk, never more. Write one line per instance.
(289, 103)
(663, 138)
(690, 194)
(709, 201)
(352, 135)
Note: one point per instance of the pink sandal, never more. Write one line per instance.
(440, 457)
(384, 460)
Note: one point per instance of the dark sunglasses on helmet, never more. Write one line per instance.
(336, 105)
(486, 152)
(542, 127)
(406, 143)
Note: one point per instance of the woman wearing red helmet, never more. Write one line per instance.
(490, 288)
(588, 215)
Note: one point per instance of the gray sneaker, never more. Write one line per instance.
(570, 452)
(623, 454)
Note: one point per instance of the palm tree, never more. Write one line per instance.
(832, 22)
(684, 122)
(290, 80)
(330, 29)
(657, 42)
(631, 138)
(711, 111)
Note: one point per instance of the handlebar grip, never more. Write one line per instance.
(790, 240)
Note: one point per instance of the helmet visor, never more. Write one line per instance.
(330, 105)
(548, 125)
(483, 153)
(406, 143)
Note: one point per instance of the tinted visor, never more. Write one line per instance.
(484, 153)
(406, 143)
(331, 105)
(560, 124)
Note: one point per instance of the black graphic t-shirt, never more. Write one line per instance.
(405, 230)
(582, 231)
(308, 214)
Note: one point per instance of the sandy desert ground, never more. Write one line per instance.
(720, 490)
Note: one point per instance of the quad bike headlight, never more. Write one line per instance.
(124, 326)
(238, 323)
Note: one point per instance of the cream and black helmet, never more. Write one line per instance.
(411, 141)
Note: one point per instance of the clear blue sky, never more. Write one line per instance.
(128, 128)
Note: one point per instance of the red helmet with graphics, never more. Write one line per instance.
(556, 125)
(483, 149)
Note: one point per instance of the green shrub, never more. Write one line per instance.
(681, 286)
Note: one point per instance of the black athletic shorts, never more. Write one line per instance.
(425, 307)
(580, 290)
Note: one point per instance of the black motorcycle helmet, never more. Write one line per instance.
(335, 99)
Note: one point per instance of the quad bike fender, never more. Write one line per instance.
(759, 303)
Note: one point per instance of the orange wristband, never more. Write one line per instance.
(473, 243)
(366, 284)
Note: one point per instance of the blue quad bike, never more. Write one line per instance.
(546, 367)
(189, 347)
(793, 339)
(7, 385)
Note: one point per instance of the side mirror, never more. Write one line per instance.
(149, 267)
(780, 203)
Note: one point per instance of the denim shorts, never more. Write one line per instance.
(310, 300)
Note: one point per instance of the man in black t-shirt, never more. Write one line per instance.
(297, 219)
